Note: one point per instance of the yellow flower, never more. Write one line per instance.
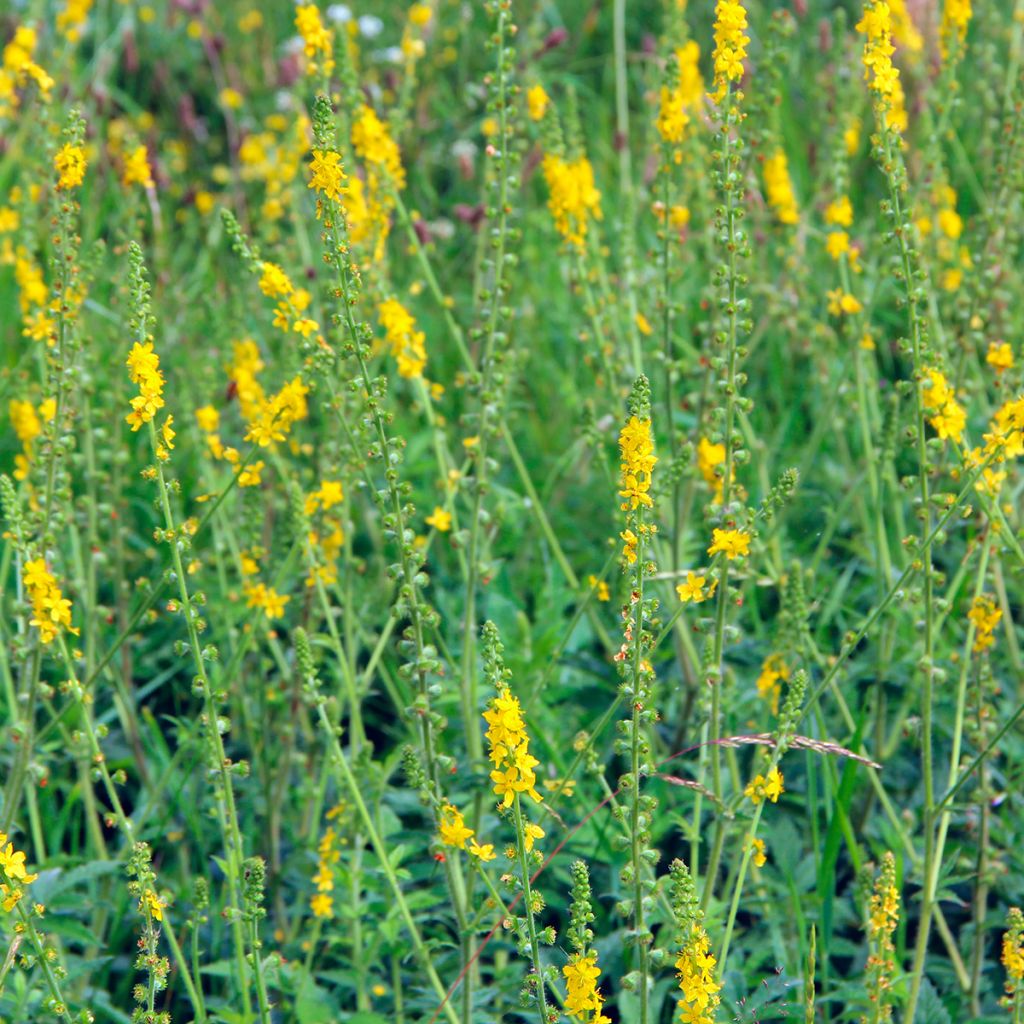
(267, 599)
(948, 417)
(882, 76)
(408, 345)
(695, 588)
(765, 787)
(51, 611)
(208, 419)
(152, 904)
(582, 995)
(731, 543)
(774, 670)
(372, 141)
(636, 447)
(572, 197)
(839, 212)
(328, 176)
(483, 852)
(999, 356)
(452, 827)
(322, 905)
(760, 858)
(70, 165)
(779, 187)
(509, 749)
(531, 833)
(708, 457)
(643, 325)
(274, 282)
(144, 370)
(136, 169)
(730, 45)
(537, 101)
(837, 244)
(985, 616)
(629, 543)
(599, 587)
(317, 40)
(440, 519)
(679, 99)
(841, 302)
(956, 16)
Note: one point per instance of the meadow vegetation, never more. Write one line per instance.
(511, 511)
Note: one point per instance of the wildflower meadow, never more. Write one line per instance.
(511, 511)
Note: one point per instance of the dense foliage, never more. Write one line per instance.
(511, 511)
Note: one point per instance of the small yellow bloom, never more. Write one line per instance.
(695, 588)
(537, 101)
(731, 543)
(440, 519)
(999, 356)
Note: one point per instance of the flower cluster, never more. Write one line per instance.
(289, 313)
(695, 966)
(18, 67)
(136, 168)
(731, 543)
(583, 999)
(375, 146)
(1013, 952)
(454, 832)
(767, 787)
(267, 599)
(779, 187)
(274, 417)
(27, 423)
(15, 877)
(774, 672)
(510, 749)
(328, 175)
(51, 611)
(572, 196)
(407, 343)
(730, 45)
(956, 16)
(883, 917)
(322, 904)
(709, 457)
(681, 98)
(318, 43)
(879, 71)
(904, 31)
(636, 449)
(144, 370)
(70, 164)
(537, 102)
(985, 616)
(947, 416)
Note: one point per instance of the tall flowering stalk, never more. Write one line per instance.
(144, 368)
(514, 777)
(583, 1000)
(882, 918)
(696, 966)
(492, 334)
(421, 662)
(730, 52)
(932, 400)
(636, 446)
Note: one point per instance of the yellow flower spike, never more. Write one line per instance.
(731, 543)
(440, 520)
